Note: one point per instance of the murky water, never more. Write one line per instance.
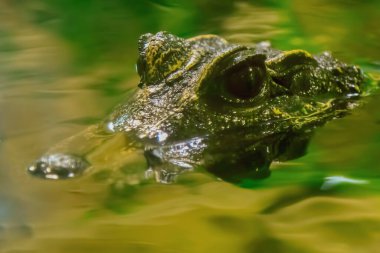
(64, 66)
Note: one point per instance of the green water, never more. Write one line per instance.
(65, 64)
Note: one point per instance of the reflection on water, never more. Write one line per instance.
(250, 24)
(331, 182)
(52, 86)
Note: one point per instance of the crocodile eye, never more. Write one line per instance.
(243, 82)
(240, 80)
(140, 67)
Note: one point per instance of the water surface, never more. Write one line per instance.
(65, 64)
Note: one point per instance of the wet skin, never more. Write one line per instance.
(228, 108)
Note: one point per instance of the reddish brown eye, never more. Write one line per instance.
(240, 80)
(244, 82)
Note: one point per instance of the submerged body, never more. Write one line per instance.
(229, 108)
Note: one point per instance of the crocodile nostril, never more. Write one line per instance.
(58, 166)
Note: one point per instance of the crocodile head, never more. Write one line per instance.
(230, 108)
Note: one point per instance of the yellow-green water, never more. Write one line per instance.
(65, 64)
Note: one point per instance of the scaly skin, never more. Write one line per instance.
(230, 108)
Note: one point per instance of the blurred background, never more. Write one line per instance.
(65, 64)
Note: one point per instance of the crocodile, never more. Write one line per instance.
(230, 109)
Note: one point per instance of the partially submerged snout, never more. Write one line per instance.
(75, 155)
(58, 166)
